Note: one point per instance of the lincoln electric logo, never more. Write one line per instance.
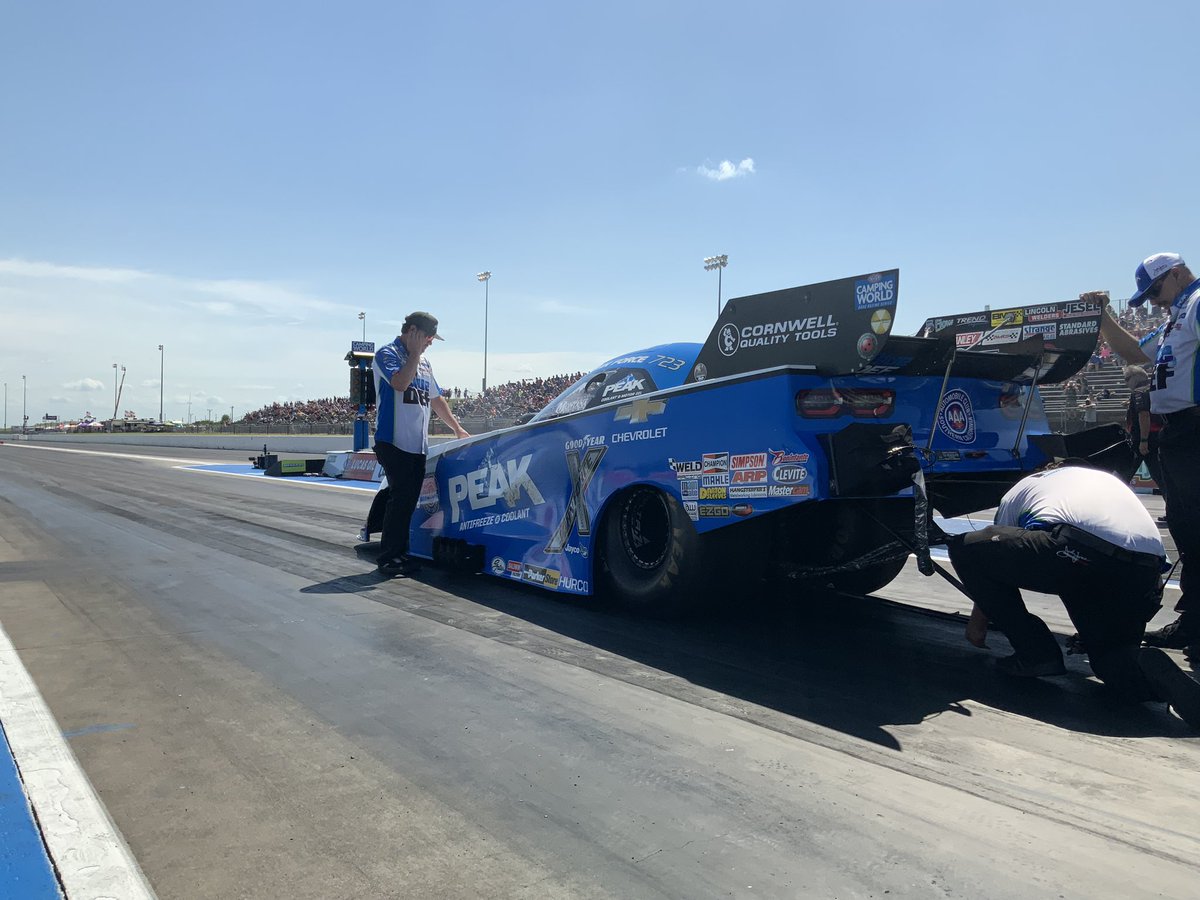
(956, 418)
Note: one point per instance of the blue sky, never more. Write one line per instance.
(237, 181)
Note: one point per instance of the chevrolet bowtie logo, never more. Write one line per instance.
(640, 410)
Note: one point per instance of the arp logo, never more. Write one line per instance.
(956, 418)
(488, 485)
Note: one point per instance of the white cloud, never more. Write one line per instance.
(84, 384)
(726, 170)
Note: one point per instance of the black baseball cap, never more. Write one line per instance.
(424, 321)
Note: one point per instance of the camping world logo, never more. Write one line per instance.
(956, 418)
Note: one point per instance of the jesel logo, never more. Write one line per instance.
(486, 486)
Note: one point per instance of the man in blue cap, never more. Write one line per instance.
(1166, 281)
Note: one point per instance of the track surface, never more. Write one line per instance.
(265, 717)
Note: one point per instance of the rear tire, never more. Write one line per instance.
(650, 554)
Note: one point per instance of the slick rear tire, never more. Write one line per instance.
(651, 561)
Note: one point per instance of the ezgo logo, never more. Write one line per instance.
(957, 417)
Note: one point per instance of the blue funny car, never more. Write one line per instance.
(799, 441)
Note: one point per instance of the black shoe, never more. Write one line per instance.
(1175, 636)
(1015, 666)
(404, 566)
(1172, 684)
(1162, 521)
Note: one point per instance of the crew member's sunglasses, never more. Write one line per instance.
(1156, 288)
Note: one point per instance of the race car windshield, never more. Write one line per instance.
(597, 389)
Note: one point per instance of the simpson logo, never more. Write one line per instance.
(789, 474)
(714, 463)
(689, 488)
(748, 461)
(874, 291)
(1048, 331)
(956, 418)
(487, 486)
(782, 457)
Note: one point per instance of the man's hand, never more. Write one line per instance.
(1100, 297)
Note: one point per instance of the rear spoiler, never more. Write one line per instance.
(844, 327)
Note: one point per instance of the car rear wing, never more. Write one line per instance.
(844, 327)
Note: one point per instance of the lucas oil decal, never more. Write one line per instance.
(956, 418)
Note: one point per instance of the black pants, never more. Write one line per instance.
(1179, 462)
(405, 472)
(1108, 601)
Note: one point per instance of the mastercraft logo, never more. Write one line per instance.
(956, 418)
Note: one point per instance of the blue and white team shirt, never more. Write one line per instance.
(1090, 500)
(402, 419)
(1174, 384)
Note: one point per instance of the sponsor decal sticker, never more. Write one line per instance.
(714, 511)
(515, 568)
(874, 291)
(748, 490)
(1007, 317)
(748, 476)
(578, 551)
(576, 517)
(642, 434)
(685, 467)
(965, 339)
(785, 456)
(1065, 329)
(714, 463)
(713, 493)
(582, 443)
(814, 328)
(714, 480)
(627, 385)
(1001, 336)
(700, 372)
(780, 490)
(497, 565)
(956, 417)
(867, 345)
(428, 499)
(789, 474)
(690, 507)
(578, 585)
(742, 509)
(488, 485)
(640, 411)
(748, 461)
(881, 321)
(948, 455)
(1047, 330)
(689, 488)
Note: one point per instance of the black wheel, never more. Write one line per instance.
(865, 581)
(651, 559)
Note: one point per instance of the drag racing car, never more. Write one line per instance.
(800, 443)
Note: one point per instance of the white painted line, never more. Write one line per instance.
(169, 459)
(89, 853)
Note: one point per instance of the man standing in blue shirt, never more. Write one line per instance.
(1166, 281)
(405, 392)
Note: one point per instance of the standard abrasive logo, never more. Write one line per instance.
(486, 486)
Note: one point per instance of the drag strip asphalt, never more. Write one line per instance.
(263, 715)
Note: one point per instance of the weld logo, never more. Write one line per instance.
(486, 486)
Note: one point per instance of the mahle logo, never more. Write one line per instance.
(488, 485)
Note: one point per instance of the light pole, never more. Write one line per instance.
(231, 415)
(362, 317)
(112, 422)
(718, 263)
(6, 406)
(161, 358)
(24, 415)
(485, 277)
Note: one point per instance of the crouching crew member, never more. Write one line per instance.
(1082, 534)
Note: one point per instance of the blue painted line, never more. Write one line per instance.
(25, 869)
(251, 472)
(95, 729)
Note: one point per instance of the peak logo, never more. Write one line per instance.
(486, 486)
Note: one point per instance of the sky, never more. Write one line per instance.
(238, 181)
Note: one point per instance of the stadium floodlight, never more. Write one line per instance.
(362, 317)
(485, 277)
(718, 263)
(160, 383)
